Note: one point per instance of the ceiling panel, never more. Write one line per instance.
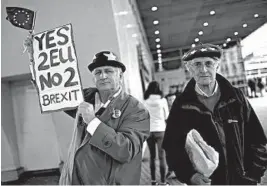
(181, 20)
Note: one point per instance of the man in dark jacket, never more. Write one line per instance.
(223, 117)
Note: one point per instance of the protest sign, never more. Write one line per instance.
(55, 69)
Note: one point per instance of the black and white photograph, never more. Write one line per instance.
(134, 92)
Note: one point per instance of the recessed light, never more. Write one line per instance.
(122, 13)
(157, 40)
(256, 15)
(129, 26)
(235, 33)
(205, 24)
(159, 55)
(245, 25)
(158, 45)
(196, 40)
(200, 33)
(134, 35)
(228, 39)
(154, 8)
(193, 45)
(158, 51)
(155, 22)
(156, 32)
(212, 12)
(224, 44)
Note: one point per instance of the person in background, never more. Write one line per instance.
(110, 131)
(170, 99)
(158, 110)
(252, 86)
(223, 117)
(260, 86)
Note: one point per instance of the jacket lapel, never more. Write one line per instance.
(116, 103)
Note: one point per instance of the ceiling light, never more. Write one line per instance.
(158, 51)
(129, 26)
(228, 39)
(155, 22)
(193, 45)
(256, 15)
(159, 59)
(122, 13)
(157, 40)
(205, 24)
(156, 32)
(134, 35)
(158, 45)
(196, 40)
(159, 55)
(224, 44)
(154, 8)
(200, 33)
(245, 25)
(236, 33)
(212, 12)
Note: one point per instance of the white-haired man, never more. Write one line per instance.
(112, 127)
(223, 117)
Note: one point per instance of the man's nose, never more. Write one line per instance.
(103, 75)
(203, 68)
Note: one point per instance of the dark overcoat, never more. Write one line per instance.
(242, 149)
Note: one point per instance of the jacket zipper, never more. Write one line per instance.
(226, 163)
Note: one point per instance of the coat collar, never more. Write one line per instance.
(228, 93)
(118, 102)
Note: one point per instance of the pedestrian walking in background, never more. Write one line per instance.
(158, 110)
(170, 99)
(260, 86)
(252, 86)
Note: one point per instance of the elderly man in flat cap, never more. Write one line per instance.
(223, 117)
(106, 146)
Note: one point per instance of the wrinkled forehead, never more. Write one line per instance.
(204, 59)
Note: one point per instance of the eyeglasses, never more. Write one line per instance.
(207, 64)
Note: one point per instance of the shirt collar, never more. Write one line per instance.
(202, 93)
(99, 104)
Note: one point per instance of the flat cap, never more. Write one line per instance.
(203, 50)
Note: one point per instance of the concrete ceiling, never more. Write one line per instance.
(181, 20)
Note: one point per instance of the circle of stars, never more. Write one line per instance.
(21, 20)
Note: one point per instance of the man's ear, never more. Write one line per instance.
(93, 80)
(218, 65)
